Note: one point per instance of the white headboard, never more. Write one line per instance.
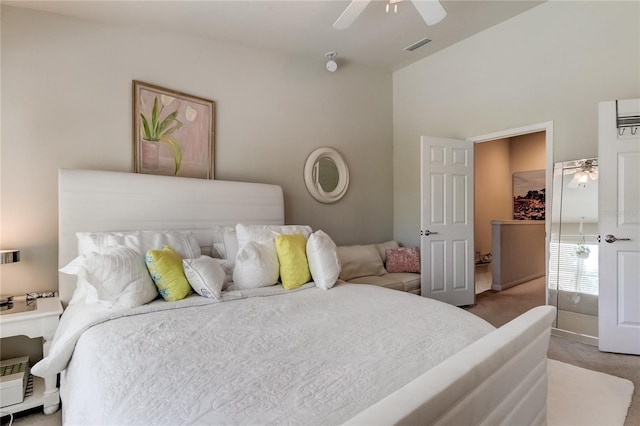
(97, 201)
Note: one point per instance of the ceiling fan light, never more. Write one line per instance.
(581, 177)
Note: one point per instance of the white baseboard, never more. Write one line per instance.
(589, 340)
(500, 286)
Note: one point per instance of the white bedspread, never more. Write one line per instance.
(304, 357)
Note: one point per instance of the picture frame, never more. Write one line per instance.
(173, 132)
(529, 195)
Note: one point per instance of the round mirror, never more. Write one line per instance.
(326, 175)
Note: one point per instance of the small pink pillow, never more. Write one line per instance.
(403, 259)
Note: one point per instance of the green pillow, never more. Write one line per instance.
(292, 255)
(167, 272)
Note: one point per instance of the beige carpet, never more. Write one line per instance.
(578, 396)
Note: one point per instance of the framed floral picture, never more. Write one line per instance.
(172, 132)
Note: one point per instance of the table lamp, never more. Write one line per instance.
(8, 256)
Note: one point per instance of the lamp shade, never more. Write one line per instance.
(9, 256)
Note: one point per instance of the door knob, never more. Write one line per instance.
(612, 239)
(427, 233)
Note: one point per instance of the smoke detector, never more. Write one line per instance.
(331, 63)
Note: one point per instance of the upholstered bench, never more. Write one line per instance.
(384, 264)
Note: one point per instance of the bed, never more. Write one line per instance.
(353, 354)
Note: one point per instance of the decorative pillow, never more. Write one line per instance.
(383, 247)
(294, 268)
(265, 235)
(205, 275)
(167, 272)
(403, 259)
(184, 243)
(256, 266)
(359, 261)
(324, 263)
(116, 277)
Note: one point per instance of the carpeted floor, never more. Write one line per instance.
(501, 307)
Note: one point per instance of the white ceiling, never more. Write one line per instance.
(302, 27)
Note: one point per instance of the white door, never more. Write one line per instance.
(619, 226)
(447, 244)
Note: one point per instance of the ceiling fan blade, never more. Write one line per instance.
(431, 10)
(350, 14)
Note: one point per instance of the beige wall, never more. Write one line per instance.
(527, 152)
(495, 163)
(554, 62)
(66, 103)
(519, 254)
(492, 189)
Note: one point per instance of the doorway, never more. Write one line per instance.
(498, 156)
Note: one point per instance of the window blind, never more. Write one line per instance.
(567, 271)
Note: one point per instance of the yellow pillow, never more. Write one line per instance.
(292, 255)
(165, 267)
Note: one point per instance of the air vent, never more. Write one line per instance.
(417, 44)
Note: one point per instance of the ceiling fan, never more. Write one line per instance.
(584, 171)
(431, 11)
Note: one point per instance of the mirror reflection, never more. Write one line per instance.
(327, 174)
(573, 251)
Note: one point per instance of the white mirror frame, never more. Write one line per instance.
(310, 175)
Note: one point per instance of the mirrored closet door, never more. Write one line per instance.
(573, 253)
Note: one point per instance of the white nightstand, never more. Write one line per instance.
(40, 322)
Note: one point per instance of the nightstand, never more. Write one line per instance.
(39, 322)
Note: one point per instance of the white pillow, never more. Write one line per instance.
(82, 290)
(264, 235)
(230, 244)
(183, 242)
(205, 275)
(324, 263)
(116, 277)
(256, 266)
(267, 233)
(218, 239)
